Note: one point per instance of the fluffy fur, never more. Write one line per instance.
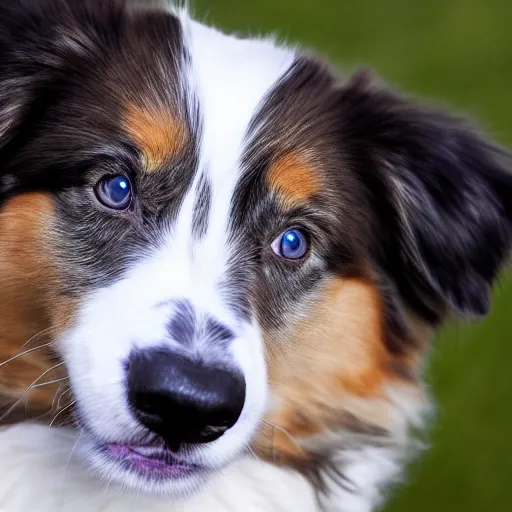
(225, 145)
(49, 460)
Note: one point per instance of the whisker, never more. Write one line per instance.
(40, 333)
(252, 452)
(55, 397)
(10, 409)
(72, 451)
(285, 432)
(60, 397)
(61, 411)
(27, 402)
(24, 353)
(56, 394)
(43, 384)
(75, 444)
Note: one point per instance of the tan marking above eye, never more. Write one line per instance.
(330, 370)
(160, 135)
(294, 179)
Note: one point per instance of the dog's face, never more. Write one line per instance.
(230, 246)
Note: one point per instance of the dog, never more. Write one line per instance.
(222, 264)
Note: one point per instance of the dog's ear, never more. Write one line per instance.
(42, 44)
(20, 35)
(30, 62)
(444, 197)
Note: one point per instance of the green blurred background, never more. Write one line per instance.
(458, 52)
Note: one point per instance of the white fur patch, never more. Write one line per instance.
(41, 471)
(225, 80)
(38, 475)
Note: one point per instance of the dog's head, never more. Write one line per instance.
(228, 245)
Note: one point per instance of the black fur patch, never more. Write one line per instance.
(443, 196)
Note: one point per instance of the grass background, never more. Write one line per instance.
(459, 52)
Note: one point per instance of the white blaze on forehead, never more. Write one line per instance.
(227, 79)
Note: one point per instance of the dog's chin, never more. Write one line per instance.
(145, 469)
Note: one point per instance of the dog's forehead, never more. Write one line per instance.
(242, 105)
(231, 103)
(225, 82)
(201, 108)
(190, 99)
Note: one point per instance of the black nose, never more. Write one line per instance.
(181, 401)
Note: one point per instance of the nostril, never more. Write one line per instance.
(182, 401)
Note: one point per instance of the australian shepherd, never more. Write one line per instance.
(221, 265)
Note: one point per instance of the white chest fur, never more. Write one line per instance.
(41, 471)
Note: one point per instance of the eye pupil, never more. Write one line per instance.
(293, 244)
(292, 240)
(114, 192)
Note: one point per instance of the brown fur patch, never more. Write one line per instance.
(294, 179)
(159, 135)
(28, 302)
(331, 371)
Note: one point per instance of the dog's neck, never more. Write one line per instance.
(43, 472)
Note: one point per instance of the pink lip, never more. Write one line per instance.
(152, 461)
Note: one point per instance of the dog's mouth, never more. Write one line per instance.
(150, 462)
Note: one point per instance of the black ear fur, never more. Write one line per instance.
(42, 44)
(443, 196)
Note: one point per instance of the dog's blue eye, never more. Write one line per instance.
(115, 192)
(292, 244)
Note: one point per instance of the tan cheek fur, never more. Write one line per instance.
(28, 302)
(159, 135)
(294, 179)
(331, 371)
